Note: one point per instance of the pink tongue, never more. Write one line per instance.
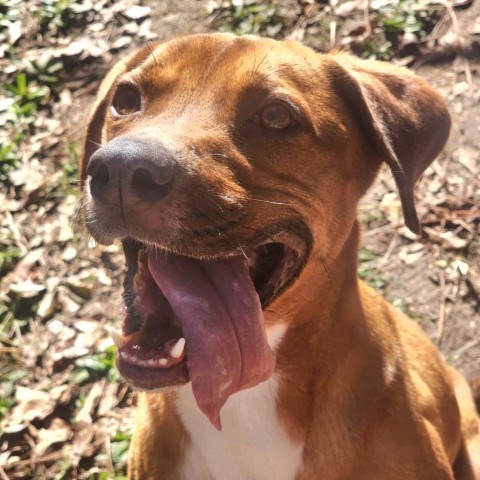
(222, 321)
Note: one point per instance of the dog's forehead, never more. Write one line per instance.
(220, 60)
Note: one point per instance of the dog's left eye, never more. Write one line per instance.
(126, 101)
(276, 116)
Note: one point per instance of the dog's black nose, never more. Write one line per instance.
(131, 170)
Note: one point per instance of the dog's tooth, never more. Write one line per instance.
(117, 336)
(177, 350)
(163, 362)
(138, 301)
(152, 362)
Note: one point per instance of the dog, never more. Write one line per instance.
(231, 168)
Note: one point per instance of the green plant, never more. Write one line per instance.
(119, 448)
(92, 367)
(69, 179)
(377, 50)
(44, 70)
(11, 375)
(249, 17)
(368, 273)
(405, 305)
(119, 445)
(9, 257)
(29, 97)
(401, 16)
(23, 102)
(62, 15)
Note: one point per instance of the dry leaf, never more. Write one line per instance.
(446, 239)
(85, 414)
(411, 253)
(57, 432)
(32, 404)
(136, 12)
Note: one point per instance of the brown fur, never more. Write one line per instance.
(362, 386)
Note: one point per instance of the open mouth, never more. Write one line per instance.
(197, 320)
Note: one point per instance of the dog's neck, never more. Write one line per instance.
(333, 327)
(281, 410)
(335, 280)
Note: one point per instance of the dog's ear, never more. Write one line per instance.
(404, 119)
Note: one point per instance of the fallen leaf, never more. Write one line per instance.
(136, 12)
(411, 253)
(31, 405)
(94, 395)
(57, 432)
(446, 239)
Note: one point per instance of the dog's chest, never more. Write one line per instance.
(252, 444)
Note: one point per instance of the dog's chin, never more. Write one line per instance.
(152, 351)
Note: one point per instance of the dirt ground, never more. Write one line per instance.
(435, 278)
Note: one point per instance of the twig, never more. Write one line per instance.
(366, 18)
(441, 310)
(51, 457)
(333, 26)
(108, 454)
(456, 27)
(459, 352)
(3, 475)
(376, 231)
(390, 248)
(17, 236)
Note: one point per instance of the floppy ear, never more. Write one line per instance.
(404, 119)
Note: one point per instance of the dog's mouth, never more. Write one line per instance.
(201, 319)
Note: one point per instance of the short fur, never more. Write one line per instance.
(359, 390)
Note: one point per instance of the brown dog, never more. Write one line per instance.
(231, 168)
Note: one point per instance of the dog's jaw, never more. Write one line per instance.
(199, 320)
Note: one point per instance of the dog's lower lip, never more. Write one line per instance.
(146, 378)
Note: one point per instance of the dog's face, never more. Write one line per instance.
(243, 158)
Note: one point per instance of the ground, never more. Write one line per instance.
(64, 412)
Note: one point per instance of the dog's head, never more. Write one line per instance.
(224, 164)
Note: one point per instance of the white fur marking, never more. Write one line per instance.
(252, 444)
(275, 335)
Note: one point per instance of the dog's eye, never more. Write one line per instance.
(276, 116)
(126, 101)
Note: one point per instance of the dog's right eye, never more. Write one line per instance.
(126, 101)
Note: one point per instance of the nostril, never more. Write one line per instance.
(100, 178)
(152, 184)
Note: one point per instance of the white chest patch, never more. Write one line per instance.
(252, 445)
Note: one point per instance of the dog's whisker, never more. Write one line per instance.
(323, 261)
(151, 52)
(271, 202)
(256, 67)
(94, 142)
(219, 155)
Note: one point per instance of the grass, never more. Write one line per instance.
(23, 100)
(31, 85)
(367, 272)
(92, 367)
(391, 20)
(244, 17)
